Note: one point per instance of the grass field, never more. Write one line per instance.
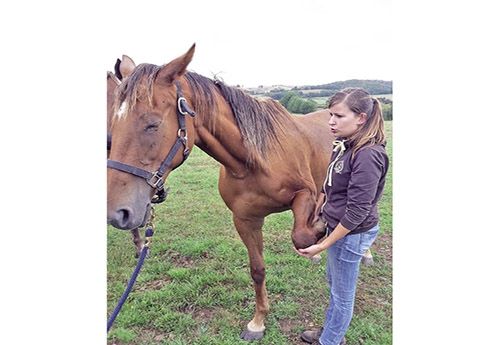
(195, 287)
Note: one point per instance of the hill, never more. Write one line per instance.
(374, 87)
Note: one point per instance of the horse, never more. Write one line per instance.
(271, 161)
(113, 80)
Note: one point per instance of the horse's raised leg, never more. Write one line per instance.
(305, 233)
(136, 238)
(250, 232)
(367, 258)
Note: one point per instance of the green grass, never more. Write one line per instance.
(195, 287)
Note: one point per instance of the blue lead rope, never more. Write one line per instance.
(144, 252)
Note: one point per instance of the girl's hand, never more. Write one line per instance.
(309, 252)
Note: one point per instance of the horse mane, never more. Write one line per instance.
(262, 122)
(132, 88)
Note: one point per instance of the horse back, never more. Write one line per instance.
(315, 126)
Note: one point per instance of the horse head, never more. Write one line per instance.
(149, 131)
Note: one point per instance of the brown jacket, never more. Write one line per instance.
(353, 186)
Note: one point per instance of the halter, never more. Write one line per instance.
(154, 179)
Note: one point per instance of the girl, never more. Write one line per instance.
(354, 183)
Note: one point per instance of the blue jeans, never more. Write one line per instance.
(342, 268)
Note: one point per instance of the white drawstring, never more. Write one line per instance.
(337, 144)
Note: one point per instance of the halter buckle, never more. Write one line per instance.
(158, 183)
(183, 108)
(179, 105)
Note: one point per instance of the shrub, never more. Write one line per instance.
(294, 104)
(387, 111)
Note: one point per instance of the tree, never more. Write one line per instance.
(387, 111)
(285, 101)
(294, 104)
(308, 106)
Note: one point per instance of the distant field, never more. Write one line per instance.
(322, 101)
(387, 95)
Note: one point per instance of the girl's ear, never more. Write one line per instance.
(362, 118)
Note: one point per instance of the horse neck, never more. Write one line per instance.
(217, 134)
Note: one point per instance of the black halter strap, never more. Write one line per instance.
(155, 179)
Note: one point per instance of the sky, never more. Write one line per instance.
(296, 42)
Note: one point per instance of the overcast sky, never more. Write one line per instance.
(259, 42)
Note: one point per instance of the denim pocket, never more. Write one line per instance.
(356, 245)
(367, 238)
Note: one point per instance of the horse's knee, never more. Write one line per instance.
(258, 275)
(304, 238)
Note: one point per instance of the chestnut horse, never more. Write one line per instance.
(271, 161)
(113, 80)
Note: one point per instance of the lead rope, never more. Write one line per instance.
(147, 243)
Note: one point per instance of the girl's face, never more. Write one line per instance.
(344, 122)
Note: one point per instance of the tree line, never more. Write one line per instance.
(299, 100)
(386, 108)
(295, 104)
(374, 87)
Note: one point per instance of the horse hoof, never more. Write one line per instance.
(249, 335)
(138, 254)
(367, 261)
(316, 258)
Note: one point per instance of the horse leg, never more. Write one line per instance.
(136, 238)
(250, 232)
(368, 258)
(304, 232)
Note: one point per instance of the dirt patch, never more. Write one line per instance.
(383, 247)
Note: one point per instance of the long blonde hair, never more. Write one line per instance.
(359, 101)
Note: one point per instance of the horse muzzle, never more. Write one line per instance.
(125, 218)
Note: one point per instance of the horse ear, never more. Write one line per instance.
(126, 66)
(118, 74)
(176, 68)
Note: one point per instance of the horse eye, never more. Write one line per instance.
(153, 126)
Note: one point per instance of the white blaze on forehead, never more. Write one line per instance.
(121, 111)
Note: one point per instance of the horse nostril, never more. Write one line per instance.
(124, 215)
(121, 218)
